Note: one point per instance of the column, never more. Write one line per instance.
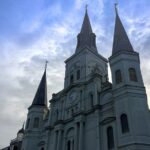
(48, 139)
(83, 98)
(71, 144)
(55, 140)
(76, 137)
(81, 136)
(64, 142)
(97, 129)
(59, 140)
(96, 99)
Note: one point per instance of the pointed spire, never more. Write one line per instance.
(86, 26)
(121, 41)
(86, 37)
(41, 94)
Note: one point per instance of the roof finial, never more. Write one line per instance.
(116, 6)
(46, 62)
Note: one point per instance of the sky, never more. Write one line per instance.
(32, 31)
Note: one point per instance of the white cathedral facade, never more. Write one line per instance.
(91, 113)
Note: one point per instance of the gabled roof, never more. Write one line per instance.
(41, 94)
(121, 41)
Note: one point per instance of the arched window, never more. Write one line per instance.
(110, 138)
(57, 114)
(91, 99)
(132, 74)
(78, 74)
(81, 94)
(36, 122)
(124, 123)
(68, 145)
(71, 79)
(118, 76)
(28, 122)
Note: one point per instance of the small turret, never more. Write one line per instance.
(21, 130)
(37, 112)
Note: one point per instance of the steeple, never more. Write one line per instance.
(41, 94)
(86, 37)
(121, 41)
(86, 26)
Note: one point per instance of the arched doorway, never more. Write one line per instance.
(70, 139)
(15, 148)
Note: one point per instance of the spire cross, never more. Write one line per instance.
(116, 6)
(86, 7)
(46, 62)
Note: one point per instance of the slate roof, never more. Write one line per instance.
(86, 26)
(41, 94)
(121, 41)
(86, 37)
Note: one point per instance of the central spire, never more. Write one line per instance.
(86, 37)
(86, 26)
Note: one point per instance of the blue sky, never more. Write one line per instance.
(32, 31)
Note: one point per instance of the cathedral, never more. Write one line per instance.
(91, 113)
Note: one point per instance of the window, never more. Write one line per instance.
(132, 74)
(36, 122)
(110, 138)
(78, 74)
(28, 122)
(73, 145)
(57, 113)
(81, 94)
(118, 76)
(71, 79)
(15, 148)
(68, 145)
(124, 123)
(91, 99)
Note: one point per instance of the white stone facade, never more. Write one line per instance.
(91, 113)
